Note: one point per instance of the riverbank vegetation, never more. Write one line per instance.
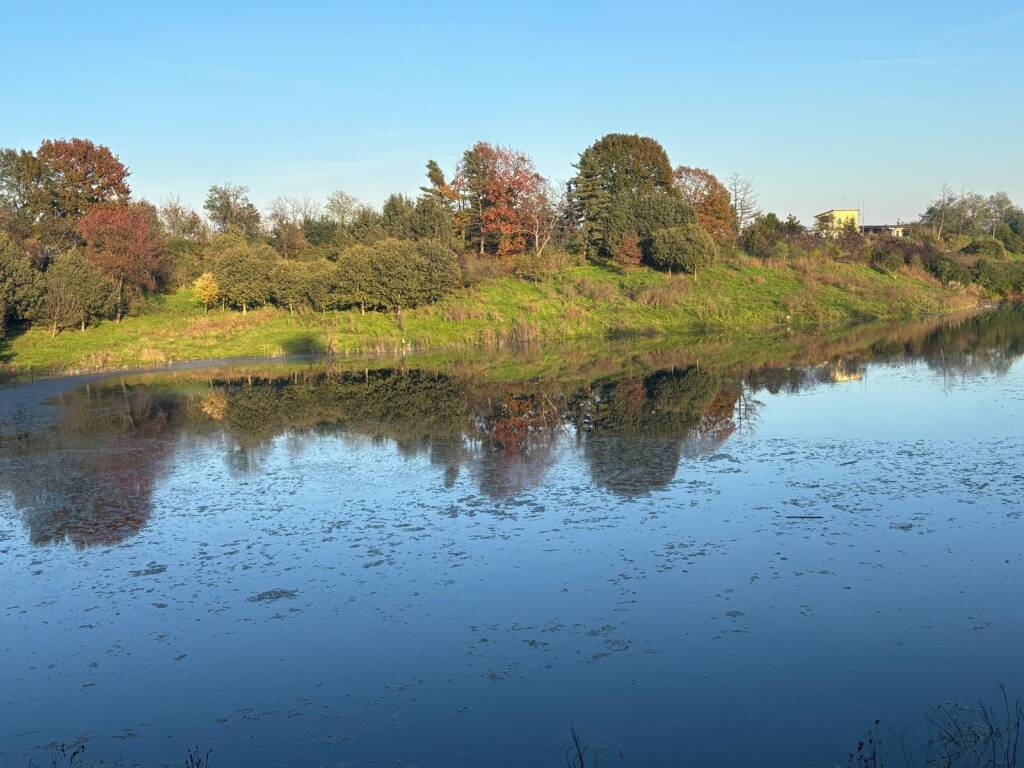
(580, 302)
(92, 277)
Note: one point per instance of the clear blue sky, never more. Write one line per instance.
(823, 105)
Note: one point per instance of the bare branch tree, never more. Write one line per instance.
(178, 220)
(543, 208)
(744, 200)
(945, 199)
(342, 207)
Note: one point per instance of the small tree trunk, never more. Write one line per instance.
(243, 308)
(481, 209)
(53, 331)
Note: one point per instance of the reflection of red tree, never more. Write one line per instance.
(518, 419)
(631, 395)
(717, 423)
(116, 494)
(91, 480)
(518, 436)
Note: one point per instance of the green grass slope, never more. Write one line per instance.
(585, 301)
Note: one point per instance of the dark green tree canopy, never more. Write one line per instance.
(20, 283)
(24, 191)
(76, 293)
(397, 217)
(367, 225)
(324, 230)
(442, 275)
(623, 187)
(432, 220)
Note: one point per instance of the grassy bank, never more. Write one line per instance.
(585, 301)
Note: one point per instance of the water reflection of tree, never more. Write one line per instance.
(975, 346)
(89, 480)
(513, 441)
(635, 430)
(421, 413)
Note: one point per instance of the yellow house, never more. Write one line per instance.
(831, 222)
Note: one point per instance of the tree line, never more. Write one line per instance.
(76, 247)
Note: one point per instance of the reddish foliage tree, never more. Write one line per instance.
(83, 174)
(709, 199)
(498, 187)
(627, 251)
(119, 240)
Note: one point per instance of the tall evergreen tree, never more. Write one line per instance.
(621, 181)
(20, 284)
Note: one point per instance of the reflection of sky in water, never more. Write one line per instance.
(853, 552)
(904, 402)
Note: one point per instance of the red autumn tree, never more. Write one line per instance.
(627, 251)
(82, 174)
(709, 199)
(496, 186)
(119, 240)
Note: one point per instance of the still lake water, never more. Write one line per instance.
(697, 559)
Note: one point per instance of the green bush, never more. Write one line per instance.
(885, 260)
(1005, 277)
(442, 274)
(244, 270)
(318, 284)
(398, 269)
(986, 248)
(535, 267)
(760, 238)
(1011, 239)
(290, 283)
(75, 294)
(394, 274)
(684, 248)
(949, 271)
(352, 281)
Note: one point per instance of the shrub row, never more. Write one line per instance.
(388, 275)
